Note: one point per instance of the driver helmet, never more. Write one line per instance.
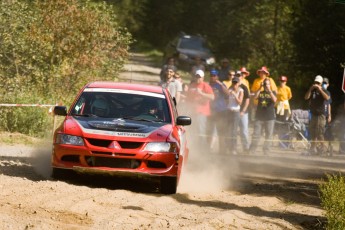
(100, 107)
(151, 106)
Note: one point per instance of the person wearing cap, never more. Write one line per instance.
(264, 116)
(317, 97)
(217, 120)
(198, 99)
(257, 84)
(245, 74)
(174, 86)
(283, 96)
(224, 69)
(235, 100)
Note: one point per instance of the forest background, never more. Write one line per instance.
(49, 49)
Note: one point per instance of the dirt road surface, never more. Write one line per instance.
(274, 191)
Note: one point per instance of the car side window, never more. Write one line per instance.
(79, 106)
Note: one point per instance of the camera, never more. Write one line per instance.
(264, 83)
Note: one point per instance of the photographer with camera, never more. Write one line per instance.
(263, 74)
(317, 97)
(264, 116)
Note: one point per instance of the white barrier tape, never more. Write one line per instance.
(26, 105)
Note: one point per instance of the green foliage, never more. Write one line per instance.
(333, 201)
(50, 49)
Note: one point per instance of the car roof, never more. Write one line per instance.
(128, 86)
(192, 36)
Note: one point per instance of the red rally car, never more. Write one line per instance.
(122, 129)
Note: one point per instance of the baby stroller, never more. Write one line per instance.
(296, 136)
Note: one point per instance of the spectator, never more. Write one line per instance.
(224, 69)
(198, 65)
(283, 96)
(174, 86)
(177, 77)
(317, 98)
(257, 84)
(228, 81)
(198, 99)
(328, 110)
(235, 101)
(218, 117)
(169, 64)
(245, 74)
(264, 116)
(244, 122)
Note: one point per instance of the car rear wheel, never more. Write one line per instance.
(168, 185)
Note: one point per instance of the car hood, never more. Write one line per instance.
(116, 127)
(195, 53)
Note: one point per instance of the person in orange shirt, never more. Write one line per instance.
(283, 96)
(198, 101)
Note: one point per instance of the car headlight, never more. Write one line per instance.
(69, 140)
(161, 147)
(210, 61)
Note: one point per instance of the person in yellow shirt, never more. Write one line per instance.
(263, 74)
(245, 74)
(283, 96)
(257, 84)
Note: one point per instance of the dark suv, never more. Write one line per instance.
(185, 48)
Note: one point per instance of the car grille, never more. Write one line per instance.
(106, 143)
(99, 142)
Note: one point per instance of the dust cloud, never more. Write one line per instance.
(207, 172)
(40, 159)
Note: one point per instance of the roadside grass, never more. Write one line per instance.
(18, 138)
(332, 195)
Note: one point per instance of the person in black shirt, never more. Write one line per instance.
(264, 116)
(244, 122)
(317, 97)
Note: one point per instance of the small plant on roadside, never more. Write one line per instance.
(332, 194)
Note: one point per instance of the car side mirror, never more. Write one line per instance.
(183, 120)
(60, 110)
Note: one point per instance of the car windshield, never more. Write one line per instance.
(125, 105)
(193, 44)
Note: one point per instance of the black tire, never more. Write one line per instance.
(168, 185)
(59, 174)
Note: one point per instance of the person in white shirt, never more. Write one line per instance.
(173, 85)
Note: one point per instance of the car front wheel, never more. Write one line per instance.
(168, 185)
